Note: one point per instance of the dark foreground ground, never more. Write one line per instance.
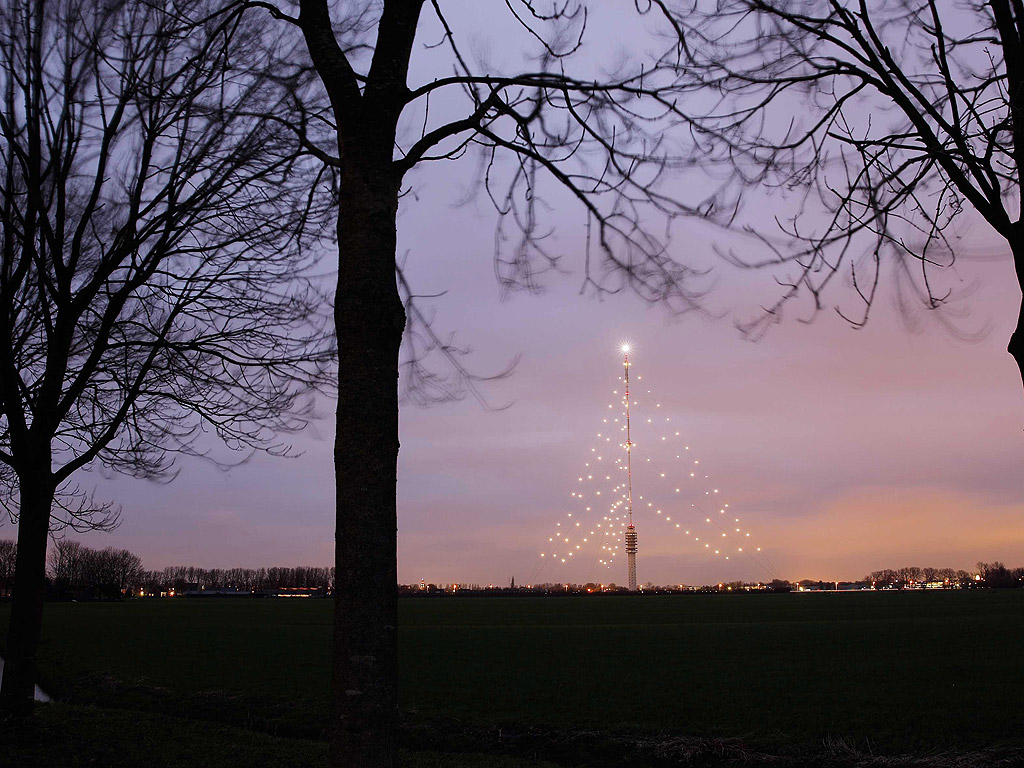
(882, 679)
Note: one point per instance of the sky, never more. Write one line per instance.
(842, 451)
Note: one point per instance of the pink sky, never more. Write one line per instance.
(842, 451)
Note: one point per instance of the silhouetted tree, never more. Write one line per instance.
(151, 264)
(80, 572)
(67, 561)
(560, 128)
(245, 579)
(883, 578)
(120, 570)
(910, 574)
(885, 119)
(8, 554)
(997, 576)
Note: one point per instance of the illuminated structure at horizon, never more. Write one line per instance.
(599, 519)
(630, 534)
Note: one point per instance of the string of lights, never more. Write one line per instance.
(714, 508)
(564, 543)
(601, 518)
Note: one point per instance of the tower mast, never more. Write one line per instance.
(630, 536)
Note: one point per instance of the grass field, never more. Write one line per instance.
(881, 672)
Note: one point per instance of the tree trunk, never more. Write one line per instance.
(370, 321)
(17, 692)
(1016, 345)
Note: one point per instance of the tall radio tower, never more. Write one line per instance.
(630, 529)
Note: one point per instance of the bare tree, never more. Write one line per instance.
(126, 569)
(67, 565)
(78, 571)
(884, 121)
(152, 271)
(109, 572)
(561, 131)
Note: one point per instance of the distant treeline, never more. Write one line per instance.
(993, 575)
(591, 587)
(77, 572)
(184, 577)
